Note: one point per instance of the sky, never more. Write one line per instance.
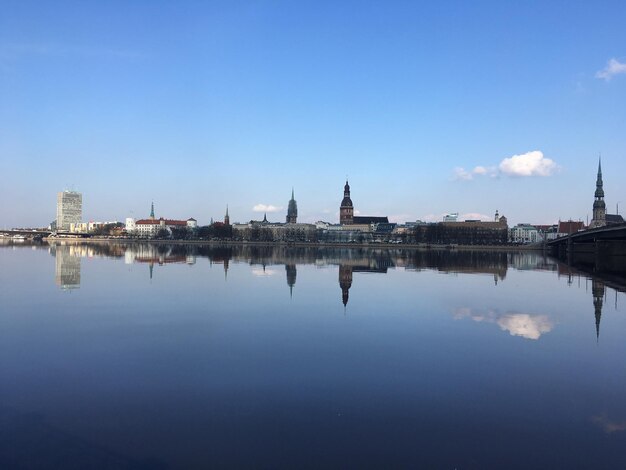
(427, 107)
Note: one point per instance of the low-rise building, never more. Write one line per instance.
(568, 227)
(525, 233)
(149, 228)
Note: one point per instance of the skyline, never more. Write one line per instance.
(427, 109)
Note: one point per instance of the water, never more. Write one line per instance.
(140, 356)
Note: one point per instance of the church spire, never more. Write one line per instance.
(226, 217)
(599, 184)
(599, 206)
(152, 210)
(292, 209)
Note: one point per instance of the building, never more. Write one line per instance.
(273, 231)
(347, 217)
(525, 233)
(227, 218)
(568, 227)
(600, 217)
(88, 227)
(346, 209)
(69, 209)
(150, 227)
(292, 210)
(469, 232)
(548, 232)
(452, 217)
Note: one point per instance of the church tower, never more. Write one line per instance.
(346, 210)
(345, 282)
(292, 210)
(152, 211)
(227, 217)
(597, 290)
(599, 207)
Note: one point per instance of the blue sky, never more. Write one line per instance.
(196, 105)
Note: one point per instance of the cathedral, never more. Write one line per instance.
(346, 212)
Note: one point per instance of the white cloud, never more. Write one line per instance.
(266, 208)
(526, 325)
(461, 173)
(401, 218)
(613, 67)
(528, 164)
(462, 217)
(475, 216)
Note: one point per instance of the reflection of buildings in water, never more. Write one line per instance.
(598, 290)
(494, 263)
(600, 282)
(157, 254)
(347, 269)
(531, 260)
(345, 282)
(67, 266)
(223, 261)
(291, 271)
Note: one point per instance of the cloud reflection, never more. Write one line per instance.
(262, 272)
(607, 425)
(526, 325)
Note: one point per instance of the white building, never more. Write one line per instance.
(149, 228)
(87, 227)
(525, 233)
(69, 209)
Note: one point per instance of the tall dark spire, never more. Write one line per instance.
(597, 290)
(152, 210)
(292, 272)
(599, 186)
(292, 210)
(599, 206)
(226, 217)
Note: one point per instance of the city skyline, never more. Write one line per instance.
(428, 109)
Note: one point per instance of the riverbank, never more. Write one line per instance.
(389, 246)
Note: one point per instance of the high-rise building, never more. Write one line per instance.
(292, 210)
(69, 209)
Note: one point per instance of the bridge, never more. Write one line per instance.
(598, 249)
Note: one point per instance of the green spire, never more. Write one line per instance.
(599, 186)
(152, 211)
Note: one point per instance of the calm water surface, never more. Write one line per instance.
(194, 357)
